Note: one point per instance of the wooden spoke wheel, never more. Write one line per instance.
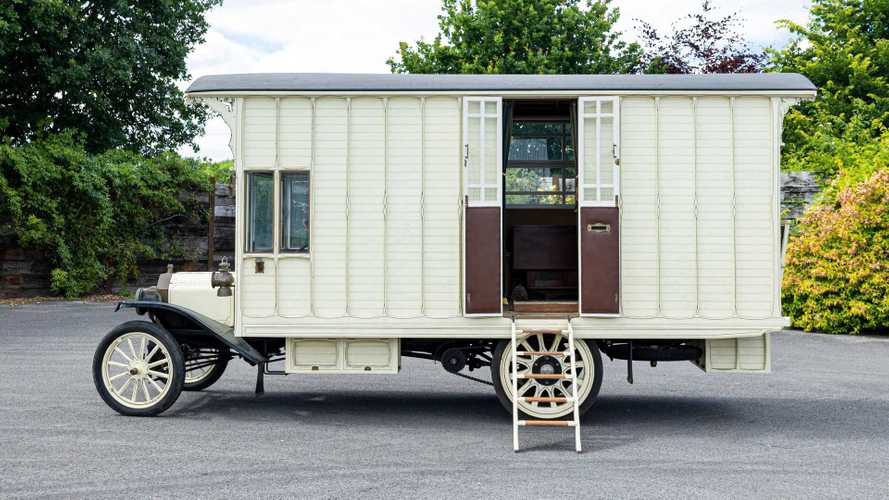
(138, 369)
(547, 393)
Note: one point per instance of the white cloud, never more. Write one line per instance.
(358, 36)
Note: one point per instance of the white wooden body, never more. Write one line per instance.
(699, 217)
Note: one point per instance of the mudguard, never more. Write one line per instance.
(184, 323)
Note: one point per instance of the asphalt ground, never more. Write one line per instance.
(816, 427)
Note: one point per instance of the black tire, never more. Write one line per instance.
(502, 349)
(176, 372)
(216, 371)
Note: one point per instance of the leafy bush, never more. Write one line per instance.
(844, 50)
(837, 275)
(94, 216)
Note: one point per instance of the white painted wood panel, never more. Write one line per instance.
(366, 192)
(639, 207)
(328, 238)
(714, 175)
(697, 212)
(441, 207)
(258, 297)
(293, 279)
(677, 214)
(259, 133)
(404, 188)
(385, 224)
(755, 211)
(295, 133)
(386, 229)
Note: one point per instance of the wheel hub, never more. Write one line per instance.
(547, 365)
(138, 369)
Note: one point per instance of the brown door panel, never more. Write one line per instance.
(483, 270)
(600, 260)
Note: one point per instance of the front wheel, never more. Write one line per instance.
(589, 375)
(139, 369)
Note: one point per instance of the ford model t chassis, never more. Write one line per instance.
(141, 366)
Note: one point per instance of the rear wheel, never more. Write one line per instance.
(203, 367)
(589, 375)
(138, 369)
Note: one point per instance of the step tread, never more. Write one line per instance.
(547, 423)
(563, 376)
(545, 399)
(534, 331)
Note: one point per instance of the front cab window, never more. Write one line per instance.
(295, 212)
(260, 212)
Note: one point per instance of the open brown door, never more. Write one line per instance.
(483, 212)
(598, 228)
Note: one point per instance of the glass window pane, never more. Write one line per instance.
(532, 180)
(295, 212)
(569, 142)
(532, 128)
(535, 148)
(538, 199)
(260, 208)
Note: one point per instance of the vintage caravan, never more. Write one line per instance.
(521, 223)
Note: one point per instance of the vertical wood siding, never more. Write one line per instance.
(697, 207)
(329, 221)
(385, 220)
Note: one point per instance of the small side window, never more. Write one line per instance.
(295, 212)
(260, 212)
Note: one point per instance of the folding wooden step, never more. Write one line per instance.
(547, 423)
(572, 363)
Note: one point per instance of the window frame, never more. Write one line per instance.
(565, 136)
(582, 183)
(285, 216)
(249, 225)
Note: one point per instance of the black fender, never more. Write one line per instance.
(185, 324)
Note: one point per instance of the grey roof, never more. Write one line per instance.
(347, 82)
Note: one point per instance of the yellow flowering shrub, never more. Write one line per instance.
(836, 276)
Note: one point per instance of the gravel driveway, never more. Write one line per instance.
(818, 426)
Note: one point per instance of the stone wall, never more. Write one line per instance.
(798, 189)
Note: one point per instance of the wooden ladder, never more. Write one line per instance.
(572, 376)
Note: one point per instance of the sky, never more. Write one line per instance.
(357, 36)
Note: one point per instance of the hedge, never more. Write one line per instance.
(836, 278)
(95, 215)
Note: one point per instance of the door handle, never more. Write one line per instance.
(598, 227)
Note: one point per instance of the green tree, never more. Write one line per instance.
(106, 68)
(521, 36)
(844, 50)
